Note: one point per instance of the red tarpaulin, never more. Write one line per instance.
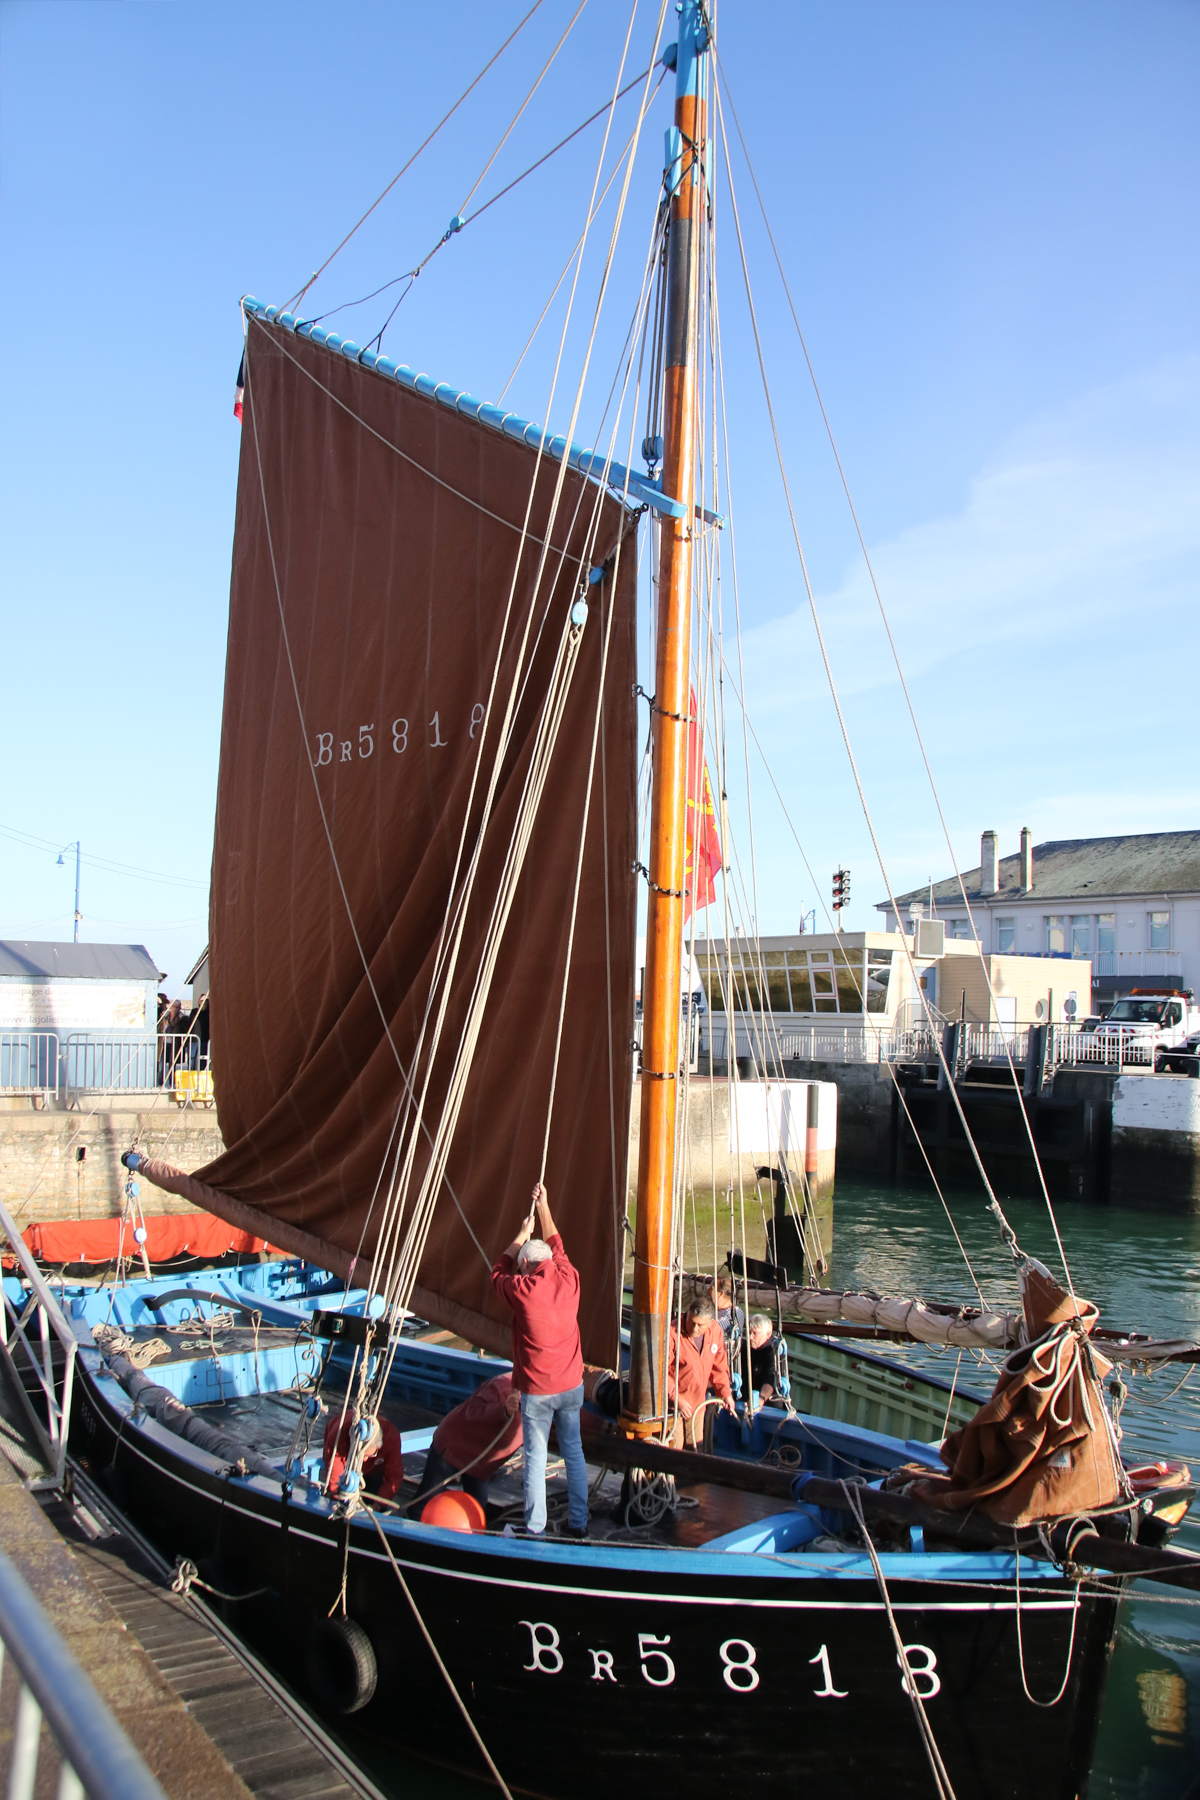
(168, 1235)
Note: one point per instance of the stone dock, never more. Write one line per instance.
(1130, 1138)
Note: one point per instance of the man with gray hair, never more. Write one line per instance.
(537, 1282)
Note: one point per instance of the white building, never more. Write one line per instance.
(1130, 905)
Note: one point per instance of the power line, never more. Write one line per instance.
(29, 842)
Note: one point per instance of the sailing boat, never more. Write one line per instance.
(423, 925)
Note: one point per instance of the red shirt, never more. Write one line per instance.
(544, 1302)
(701, 1366)
(465, 1433)
(382, 1471)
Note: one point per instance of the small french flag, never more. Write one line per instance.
(239, 389)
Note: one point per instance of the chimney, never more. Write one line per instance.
(989, 879)
(1026, 861)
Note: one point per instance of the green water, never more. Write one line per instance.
(1143, 1270)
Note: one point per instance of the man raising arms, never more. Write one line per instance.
(536, 1279)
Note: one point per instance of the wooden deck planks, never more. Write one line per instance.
(246, 1723)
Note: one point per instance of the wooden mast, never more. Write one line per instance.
(668, 808)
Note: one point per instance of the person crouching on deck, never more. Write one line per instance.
(473, 1442)
(382, 1464)
(696, 1361)
(536, 1280)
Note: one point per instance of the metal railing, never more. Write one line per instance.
(29, 1063)
(95, 1757)
(49, 1066)
(16, 1321)
(775, 1042)
(1139, 963)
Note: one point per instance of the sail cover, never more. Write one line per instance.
(378, 548)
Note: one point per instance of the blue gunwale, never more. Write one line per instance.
(728, 1566)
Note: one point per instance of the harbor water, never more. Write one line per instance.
(1142, 1268)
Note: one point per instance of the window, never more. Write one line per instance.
(1160, 931)
(958, 928)
(1081, 934)
(801, 988)
(1056, 932)
(879, 968)
(774, 967)
(1106, 933)
(1006, 936)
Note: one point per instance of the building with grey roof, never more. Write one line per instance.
(78, 990)
(1130, 904)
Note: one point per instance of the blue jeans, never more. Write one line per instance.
(538, 1412)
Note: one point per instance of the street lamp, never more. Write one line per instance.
(61, 864)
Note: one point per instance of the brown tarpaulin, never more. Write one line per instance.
(385, 529)
(1040, 1448)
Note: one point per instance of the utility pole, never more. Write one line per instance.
(62, 865)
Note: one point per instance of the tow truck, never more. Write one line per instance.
(1155, 1020)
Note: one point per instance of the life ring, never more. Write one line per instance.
(341, 1665)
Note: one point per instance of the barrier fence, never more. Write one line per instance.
(49, 1066)
(768, 1042)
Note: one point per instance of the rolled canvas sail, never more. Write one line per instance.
(376, 541)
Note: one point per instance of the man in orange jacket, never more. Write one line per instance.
(696, 1361)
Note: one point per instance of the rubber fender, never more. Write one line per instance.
(341, 1666)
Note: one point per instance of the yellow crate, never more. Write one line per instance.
(193, 1087)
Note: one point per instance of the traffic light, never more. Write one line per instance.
(841, 889)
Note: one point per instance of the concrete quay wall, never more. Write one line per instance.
(1141, 1134)
(44, 1176)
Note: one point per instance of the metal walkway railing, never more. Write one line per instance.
(35, 1354)
(95, 1756)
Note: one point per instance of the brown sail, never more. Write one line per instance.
(377, 544)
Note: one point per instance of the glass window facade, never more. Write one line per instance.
(1160, 931)
(1081, 934)
(825, 982)
(1056, 932)
(1106, 934)
(958, 928)
(1006, 935)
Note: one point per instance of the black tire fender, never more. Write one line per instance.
(341, 1667)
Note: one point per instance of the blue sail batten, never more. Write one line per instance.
(588, 462)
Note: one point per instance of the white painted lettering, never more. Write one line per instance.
(650, 1655)
(543, 1647)
(602, 1669)
(324, 748)
(399, 735)
(828, 1692)
(365, 737)
(437, 741)
(477, 712)
(739, 1671)
(926, 1671)
(346, 747)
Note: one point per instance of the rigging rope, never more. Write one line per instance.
(444, 120)
(941, 1779)
(902, 678)
(437, 1657)
(829, 676)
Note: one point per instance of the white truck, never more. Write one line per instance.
(1152, 1021)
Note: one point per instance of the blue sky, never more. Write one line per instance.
(988, 218)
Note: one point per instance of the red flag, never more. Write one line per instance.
(702, 855)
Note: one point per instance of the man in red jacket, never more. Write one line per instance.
(696, 1361)
(473, 1442)
(541, 1288)
(382, 1463)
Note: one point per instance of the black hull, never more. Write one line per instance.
(784, 1683)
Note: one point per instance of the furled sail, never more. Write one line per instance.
(386, 602)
